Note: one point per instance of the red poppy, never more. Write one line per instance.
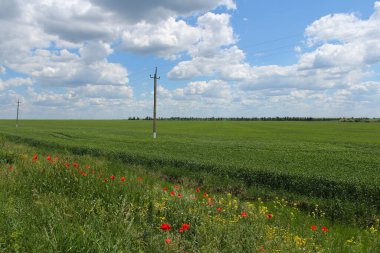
(325, 229)
(48, 158)
(269, 216)
(112, 177)
(165, 188)
(88, 166)
(184, 227)
(172, 193)
(244, 214)
(197, 190)
(205, 194)
(35, 157)
(67, 165)
(10, 167)
(122, 179)
(176, 186)
(105, 180)
(84, 174)
(139, 179)
(219, 209)
(166, 227)
(75, 164)
(313, 227)
(179, 195)
(167, 240)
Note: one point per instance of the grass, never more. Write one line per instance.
(53, 201)
(335, 165)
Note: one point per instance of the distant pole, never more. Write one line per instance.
(155, 103)
(18, 106)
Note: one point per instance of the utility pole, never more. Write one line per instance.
(18, 106)
(155, 102)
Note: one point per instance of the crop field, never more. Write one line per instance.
(54, 201)
(326, 172)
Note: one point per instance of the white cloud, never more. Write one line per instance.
(15, 82)
(166, 39)
(170, 37)
(102, 91)
(152, 11)
(2, 70)
(346, 40)
(63, 68)
(223, 61)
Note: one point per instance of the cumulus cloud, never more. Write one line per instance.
(167, 39)
(346, 40)
(171, 37)
(342, 46)
(63, 68)
(15, 82)
(103, 91)
(153, 11)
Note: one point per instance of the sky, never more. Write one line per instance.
(92, 59)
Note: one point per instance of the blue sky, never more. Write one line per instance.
(91, 59)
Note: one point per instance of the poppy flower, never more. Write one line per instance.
(244, 214)
(325, 229)
(219, 209)
(165, 188)
(184, 227)
(313, 227)
(197, 190)
(75, 164)
(167, 240)
(179, 195)
(88, 166)
(105, 180)
(166, 227)
(205, 194)
(176, 186)
(269, 216)
(35, 157)
(139, 179)
(122, 179)
(112, 177)
(172, 193)
(10, 167)
(84, 174)
(67, 165)
(48, 158)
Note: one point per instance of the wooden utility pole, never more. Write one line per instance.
(18, 106)
(155, 103)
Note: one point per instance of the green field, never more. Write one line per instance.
(107, 186)
(54, 201)
(328, 160)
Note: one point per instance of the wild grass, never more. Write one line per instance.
(53, 201)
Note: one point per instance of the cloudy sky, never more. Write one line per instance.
(91, 59)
